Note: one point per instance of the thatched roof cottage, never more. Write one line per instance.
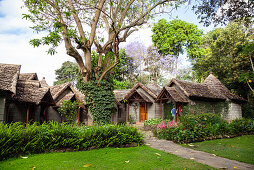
(211, 96)
(139, 102)
(64, 92)
(22, 96)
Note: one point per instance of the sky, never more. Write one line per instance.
(15, 35)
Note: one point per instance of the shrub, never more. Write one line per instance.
(152, 122)
(201, 127)
(16, 139)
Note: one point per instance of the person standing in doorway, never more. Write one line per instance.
(173, 112)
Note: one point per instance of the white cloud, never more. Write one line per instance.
(14, 44)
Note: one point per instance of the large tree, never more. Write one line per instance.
(176, 36)
(228, 56)
(80, 24)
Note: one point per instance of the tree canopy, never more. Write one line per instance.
(80, 24)
(175, 36)
(224, 11)
(229, 56)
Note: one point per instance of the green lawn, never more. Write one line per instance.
(142, 157)
(238, 148)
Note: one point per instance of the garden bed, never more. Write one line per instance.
(17, 139)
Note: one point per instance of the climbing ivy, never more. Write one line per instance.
(69, 110)
(99, 98)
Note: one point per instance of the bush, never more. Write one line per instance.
(194, 128)
(16, 139)
(152, 122)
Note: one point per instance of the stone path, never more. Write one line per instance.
(198, 156)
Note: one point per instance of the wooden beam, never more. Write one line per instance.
(127, 115)
(78, 115)
(161, 109)
(27, 114)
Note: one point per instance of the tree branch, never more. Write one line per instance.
(77, 20)
(136, 22)
(95, 21)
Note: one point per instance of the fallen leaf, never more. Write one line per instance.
(213, 154)
(147, 144)
(192, 158)
(24, 157)
(33, 168)
(127, 161)
(158, 154)
(235, 167)
(87, 165)
(190, 145)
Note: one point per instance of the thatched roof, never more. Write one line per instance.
(68, 96)
(154, 87)
(120, 94)
(60, 94)
(44, 83)
(152, 92)
(196, 90)
(8, 77)
(28, 76)
(29, 91)
(58, 89)
(176, 96)
(215, 85)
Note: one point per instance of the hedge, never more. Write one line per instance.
(16, 139)
(195, 128)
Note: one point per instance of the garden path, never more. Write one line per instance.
(198, 156)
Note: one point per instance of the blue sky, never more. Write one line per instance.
(15, 35)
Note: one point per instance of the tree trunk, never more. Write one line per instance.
(88, 64)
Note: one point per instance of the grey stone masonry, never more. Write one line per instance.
(2, 108)
(234, 111)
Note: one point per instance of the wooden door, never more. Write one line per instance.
(142, 112)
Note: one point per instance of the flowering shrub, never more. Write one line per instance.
(170, 124)
(194, 128)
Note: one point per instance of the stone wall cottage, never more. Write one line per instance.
(64, 92)
(30, 102)
(141, 103)
(21, 96)
(211, 96)
(8, 80)
(121, 106)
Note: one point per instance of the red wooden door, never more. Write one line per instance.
(142, 112)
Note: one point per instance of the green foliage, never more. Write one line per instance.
(152, 122)
(100, 100)
(16, 139)
(68, 72)
(227, 56)
(172, 37)
(194, 128)
(69, 110)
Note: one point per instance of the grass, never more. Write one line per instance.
(142, 157)
(238, 148)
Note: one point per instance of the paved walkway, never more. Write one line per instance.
(198, 156)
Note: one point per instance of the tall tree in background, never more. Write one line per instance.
(67, 73)
(79, 24)
(227, 56)
(172, 38)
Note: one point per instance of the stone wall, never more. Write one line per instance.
(234, 112)
(2, 109)
(206, 107)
